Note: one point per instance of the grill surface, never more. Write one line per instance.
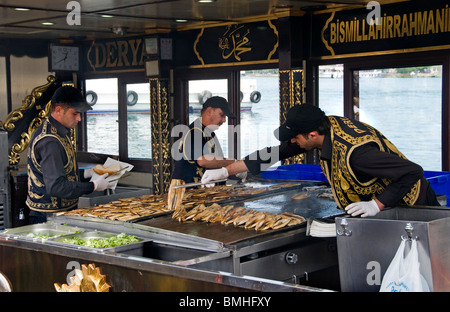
(271, 202)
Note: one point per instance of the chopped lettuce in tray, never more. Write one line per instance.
(113, 241)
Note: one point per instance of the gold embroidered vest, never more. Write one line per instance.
(38, 199)
(346, 135)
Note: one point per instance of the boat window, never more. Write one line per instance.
(138, 120)
(102, 120)
(199, 92)
(331, 89)
(260, 109)
(405, 104)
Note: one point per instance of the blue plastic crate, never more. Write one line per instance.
(440, 182)
(295, 172)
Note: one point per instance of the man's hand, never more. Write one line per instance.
(214, 175)
(363, 208)
(241, 175)
(101, 184)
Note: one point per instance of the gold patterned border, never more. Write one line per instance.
(322, 37)
(275, 47)
(383, 52)
(292, 92)
(154, 109)
(275, 61)
(195, 46)
(160, 133)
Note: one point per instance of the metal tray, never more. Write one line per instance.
(42, 231)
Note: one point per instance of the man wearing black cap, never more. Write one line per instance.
(54, 181)
(199, 149)
(365, 170)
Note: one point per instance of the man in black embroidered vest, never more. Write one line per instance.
(199, 149)
(54, 181)
(365, 170)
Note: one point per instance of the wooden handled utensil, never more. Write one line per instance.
(196, 184)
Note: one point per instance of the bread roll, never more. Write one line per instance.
(110, 170)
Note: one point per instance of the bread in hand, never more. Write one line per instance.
(110, 170)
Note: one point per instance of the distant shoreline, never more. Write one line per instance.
(383, 75)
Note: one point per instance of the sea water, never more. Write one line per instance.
(408, 111)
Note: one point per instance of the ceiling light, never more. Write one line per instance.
(181, 20)
(206, 1)
(106, 16)
(21, 9)
(48, 23)
(283, 6)
(119, 30)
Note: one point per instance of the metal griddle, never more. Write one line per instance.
(272, 202)
(311, 207)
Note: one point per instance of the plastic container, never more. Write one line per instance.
(295, 172)
(440, 182)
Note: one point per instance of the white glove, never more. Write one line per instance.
(213, 175)
(101, 184)
(366, 208)
(241, 175)
(88, 173)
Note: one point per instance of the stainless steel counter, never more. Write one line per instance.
(198, 252)
(366, 246)
(154, 266)
(98, 198)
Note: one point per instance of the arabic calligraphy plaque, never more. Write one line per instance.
(237, 43)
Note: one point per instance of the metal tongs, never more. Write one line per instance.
(197, 184)
(116, 172)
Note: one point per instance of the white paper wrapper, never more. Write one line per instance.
(115, 177)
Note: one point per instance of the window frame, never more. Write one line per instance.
(181, 110)
(232, 74)
(140, 165)
(441, 58)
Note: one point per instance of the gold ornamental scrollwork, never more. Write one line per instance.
(19, 147)
(17, 115)
(27, 103)
(88, 279)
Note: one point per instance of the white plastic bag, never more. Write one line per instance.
(403, 274)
